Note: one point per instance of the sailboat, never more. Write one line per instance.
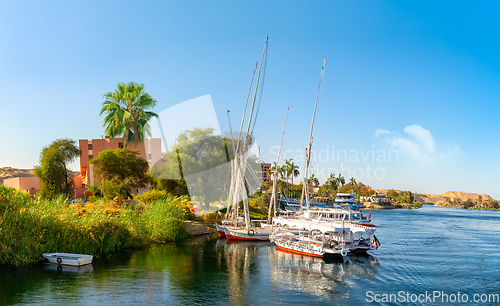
(306, 236)
(235, 227)
(324, 231)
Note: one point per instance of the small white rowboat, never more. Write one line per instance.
(68, 259)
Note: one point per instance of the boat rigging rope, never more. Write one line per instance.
(320, 120)
(261, 90)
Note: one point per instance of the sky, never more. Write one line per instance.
(410, 95)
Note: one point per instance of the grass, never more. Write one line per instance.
(30, 227)
(483, 208)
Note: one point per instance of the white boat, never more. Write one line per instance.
(252, 234)
(68, 259)
(308, 237)
(303, 235)
(359, 238)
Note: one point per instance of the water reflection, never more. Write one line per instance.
(288, 272)
(68, 269)
(243, 265)
(331, 279)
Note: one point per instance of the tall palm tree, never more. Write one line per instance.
(291, 169)
(353, 183)
(340, 181)
(127, 112)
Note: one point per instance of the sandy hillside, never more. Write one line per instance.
(466, 195)
(435, 198)
(8, 172)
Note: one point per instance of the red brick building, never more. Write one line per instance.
(149, 149)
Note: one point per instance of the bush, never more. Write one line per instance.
(152, 196)
(30, 227)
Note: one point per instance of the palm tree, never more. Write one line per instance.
(332, 184)
(276, 168)
(314, 180)
(353, 183)
(127, 112)
(340, 181)
(291, 169)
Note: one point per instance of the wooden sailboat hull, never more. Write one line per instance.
(220, 230)
(250, 235)
(305, 252)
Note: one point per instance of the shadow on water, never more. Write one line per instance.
(279, 274)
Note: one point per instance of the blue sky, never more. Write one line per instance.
(418, 78)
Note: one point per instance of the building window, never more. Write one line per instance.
(120, 145)
(90, 146)
(91, 157)
(149, 156)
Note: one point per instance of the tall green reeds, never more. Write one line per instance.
(30, 227)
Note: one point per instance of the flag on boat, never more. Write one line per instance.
(345, 233)
(195, 208)
(376, 242)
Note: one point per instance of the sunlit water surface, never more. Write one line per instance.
(430, 249)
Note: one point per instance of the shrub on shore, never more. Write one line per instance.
(30, 227)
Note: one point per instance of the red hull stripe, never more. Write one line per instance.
(368, 225)
(243, 238)
(298, 252)
(222, 234)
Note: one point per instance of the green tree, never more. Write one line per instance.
(126, 111)
(202, 159)
(393, 194)
(120, 172)
(53, 171)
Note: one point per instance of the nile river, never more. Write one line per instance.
(441, 251)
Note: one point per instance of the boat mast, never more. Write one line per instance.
(242, 165)
(232, 200)
(275, 175)
(231, 189)
(305, 187)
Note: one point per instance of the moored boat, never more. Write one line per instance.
(68, 259)
(307, 237)
(234, 229)
(252, 234)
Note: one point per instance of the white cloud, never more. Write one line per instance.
(379, 132)
(418, 144)
(422, 136)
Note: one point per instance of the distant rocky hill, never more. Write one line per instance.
(439, 198)
(8, 172)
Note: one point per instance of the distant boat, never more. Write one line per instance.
(68, 259)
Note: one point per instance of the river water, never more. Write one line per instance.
(429, 256)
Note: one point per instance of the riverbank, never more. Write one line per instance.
(465, 206)
(30, 227)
